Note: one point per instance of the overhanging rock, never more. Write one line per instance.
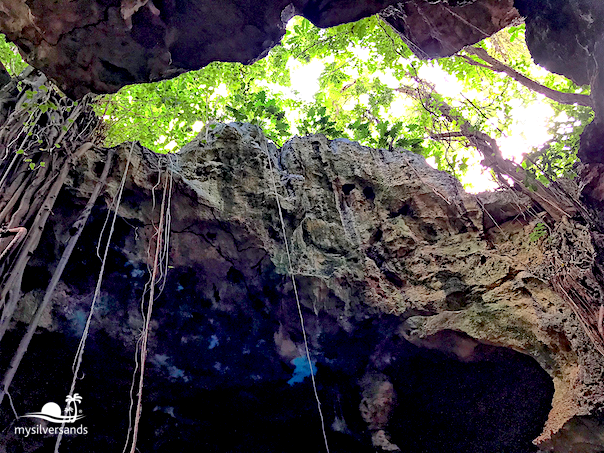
(434, 30)
(100, 45)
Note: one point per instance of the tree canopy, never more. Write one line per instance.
(372, 89)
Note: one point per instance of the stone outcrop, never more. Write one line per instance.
(101, 46)
(426, 316)
(441, 29)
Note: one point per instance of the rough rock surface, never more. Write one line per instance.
(559, 32)
(101, 46)
(434, 30)
(428, 326)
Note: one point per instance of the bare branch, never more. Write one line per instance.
(497, 66)
(446, 135)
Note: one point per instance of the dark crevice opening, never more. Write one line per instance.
(347, 188)
(498, 400)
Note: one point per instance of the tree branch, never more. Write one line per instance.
(497, 66)
(446, 135)
(557, 205)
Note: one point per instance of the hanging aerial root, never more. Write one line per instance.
(77, 362)
(571, 266)
(162, 238)
(18, 232)
(30, 194)
(78, 226)
(601, 320)
(9, 198)
(12, 283)
(291, 273)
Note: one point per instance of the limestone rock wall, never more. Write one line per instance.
(425, 313)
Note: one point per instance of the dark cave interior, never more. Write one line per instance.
(215, 379)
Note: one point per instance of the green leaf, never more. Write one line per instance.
(364, 65)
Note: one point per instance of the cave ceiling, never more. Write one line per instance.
(359, 236)
(102, 45)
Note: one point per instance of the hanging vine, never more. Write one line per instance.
(153, 288)
(42, 133)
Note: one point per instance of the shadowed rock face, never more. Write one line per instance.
(562, 35)
(426, 325)
(440, 29)
(102, 45)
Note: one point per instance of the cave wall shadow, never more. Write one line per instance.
(216, 382)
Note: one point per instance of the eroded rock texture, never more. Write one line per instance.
(441, 29)
(101, 46)
(559, 32)
(428, 324)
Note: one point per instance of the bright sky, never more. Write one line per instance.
(529, 128)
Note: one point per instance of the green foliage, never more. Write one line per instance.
(364, 65)
(10, 57)
(163, 115)
(538, 232)
(263, 110)
(557, 157)
(317, 121)
(365, 93)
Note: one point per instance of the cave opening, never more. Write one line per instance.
(217, 381)
(497, 401)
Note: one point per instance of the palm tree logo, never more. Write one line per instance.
(52, 411)
(72, 406)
